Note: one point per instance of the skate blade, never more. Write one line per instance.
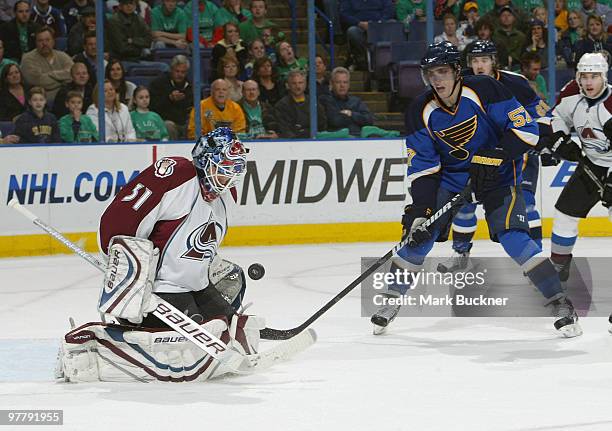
(572, 330)
(379, 330)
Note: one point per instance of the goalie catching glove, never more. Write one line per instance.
(128, 280)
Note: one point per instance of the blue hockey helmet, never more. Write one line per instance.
(441, 54)
(220, 161)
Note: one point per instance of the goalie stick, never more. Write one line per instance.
(164, 311)
(284, 334)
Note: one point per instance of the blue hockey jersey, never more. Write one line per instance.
(487, 115)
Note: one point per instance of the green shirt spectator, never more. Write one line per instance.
(254, 28)
(149, 126)
(206, 17)
(224, 15)
(83, 130)
(175, 22)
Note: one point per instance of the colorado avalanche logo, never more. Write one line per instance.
(593, 138)
(164, 168)
(202, 242)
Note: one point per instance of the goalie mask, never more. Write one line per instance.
(592, 75)
(220, 161)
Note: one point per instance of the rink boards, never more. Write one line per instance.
(294, 192)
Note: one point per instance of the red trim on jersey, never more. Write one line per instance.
(608, 104)
(162, 232)
(120, 217)
(154, 153)
(570, 89)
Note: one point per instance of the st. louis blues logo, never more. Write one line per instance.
(458, 135)
(202, 242)
(164, 168)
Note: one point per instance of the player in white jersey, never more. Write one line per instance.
(585, 105)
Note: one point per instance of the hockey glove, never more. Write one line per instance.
(484, 170)
(412, 220)
(606, 196)
(563, 146)
(548, 159)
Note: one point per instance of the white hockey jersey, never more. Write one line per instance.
(165, 205)
(573, 111)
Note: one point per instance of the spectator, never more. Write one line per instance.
(117, 120)
(292, 112)
(81, 84)
(43, 14)
(322, 76)
(7, 11)
(287, 61)
(450, 33)
(446, 7)
(266, 76)
(76, 35)
(232, 11)
(531, 66)
(129, 37)
(471, 17)
(228, 70)
(540, 13)
(115, 73)
(13, 93)
(561, 17)
(169, 25)
(19, 33)
(9, 139)
(149, 125)
(410, 10)
(595, 40)
(484, 31)
(355, 14)
(269, 43)
(46, 67)
(259, 116)
(217, 111)
(206, 21)
(253, 28)
(591, 7)
(89, 57)
(536, 41)
(36, 125)
(521, 17)
(257, 50)
(172, 97)
(343, 110)
(73, 12)
(6, 61)
(508, 36)
(144, 11)
(570, 38)
(230, 44)
(74, 126)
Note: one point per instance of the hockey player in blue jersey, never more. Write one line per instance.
(482, 59)
(462, 129)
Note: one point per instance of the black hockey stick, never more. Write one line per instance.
(591, 174)
(284, 334)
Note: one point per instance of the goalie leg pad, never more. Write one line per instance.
(116, 353)
(128, 281)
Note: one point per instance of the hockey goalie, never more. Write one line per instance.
(160, 234)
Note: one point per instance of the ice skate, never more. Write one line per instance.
(457, 262)
(566, 318)
(385, 315)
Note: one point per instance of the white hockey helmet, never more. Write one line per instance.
(593, 63)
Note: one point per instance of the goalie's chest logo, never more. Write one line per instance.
(202, 242)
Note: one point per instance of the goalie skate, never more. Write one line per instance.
(566, 318)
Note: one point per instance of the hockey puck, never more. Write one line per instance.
(256, 271)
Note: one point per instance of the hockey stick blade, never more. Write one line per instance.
(284, 334)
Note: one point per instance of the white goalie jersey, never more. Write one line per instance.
(573, 111)
(165, 205)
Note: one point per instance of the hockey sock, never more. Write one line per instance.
(402, 278)
(545, 278)
(533, 217)
(562, 245)
(518, 245)
(464, 228)
(564, 233)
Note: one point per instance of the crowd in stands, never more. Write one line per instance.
(258, 82)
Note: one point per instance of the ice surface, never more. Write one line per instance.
(425, 374)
